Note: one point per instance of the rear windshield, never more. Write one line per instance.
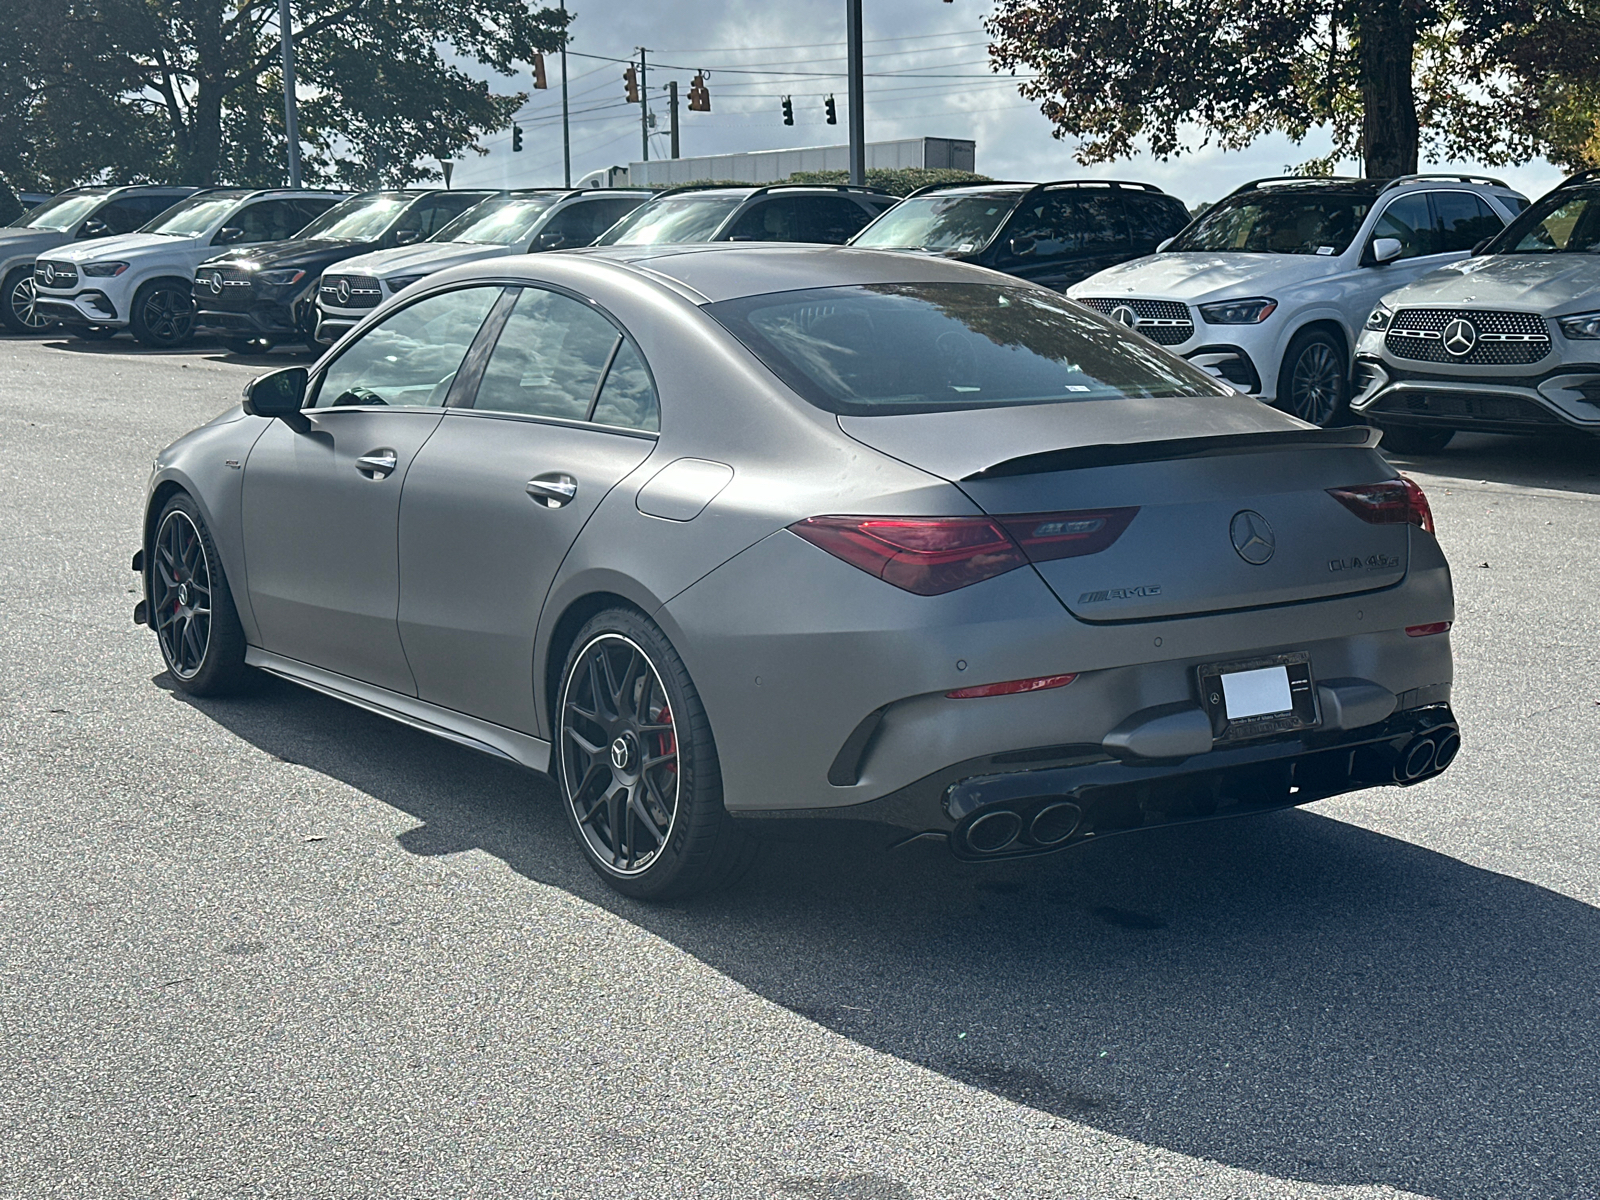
(1287, 222)
(1565, 222)
(360, 218)
(959, 223)
(674, 219)
(503, 221)
(926, 347)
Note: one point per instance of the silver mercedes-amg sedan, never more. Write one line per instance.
(727, 532)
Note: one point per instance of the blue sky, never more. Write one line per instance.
(756, 51)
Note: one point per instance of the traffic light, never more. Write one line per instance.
(699, 94)
(833, 112)
(788, 111)
(539, 80)
(516, 139)
(631, 78)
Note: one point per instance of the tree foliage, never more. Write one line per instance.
(1391, 80)
(897, 181)
(191, 90)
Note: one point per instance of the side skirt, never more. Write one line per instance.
(496, 740)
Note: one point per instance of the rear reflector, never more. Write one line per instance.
(934, 555)
(1391, 502)
(1427, 630)
(1042, 683)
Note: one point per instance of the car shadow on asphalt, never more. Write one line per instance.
(1567, 461)
(1288, 994)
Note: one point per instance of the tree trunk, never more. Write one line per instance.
(1387, 33)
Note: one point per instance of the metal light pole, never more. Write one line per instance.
(858, 123)
(644, 106)
(291, 124)
(566, 136)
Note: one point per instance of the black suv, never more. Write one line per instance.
(1053, 234)
(261, 295)
(781, 212)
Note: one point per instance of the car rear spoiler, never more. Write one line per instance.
(1117, 454)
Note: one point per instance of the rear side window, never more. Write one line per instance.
(926, 347)
(1409, 221)
(1463, 220)
(1061, 224)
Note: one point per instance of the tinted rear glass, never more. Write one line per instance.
(1292, 221)
(959, 223)
(926, 347)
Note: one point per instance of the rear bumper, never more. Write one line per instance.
(1007, 807)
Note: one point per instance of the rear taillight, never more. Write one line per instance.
(1392, 502)
(934, 555)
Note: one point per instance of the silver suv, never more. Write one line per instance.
(1507, 341)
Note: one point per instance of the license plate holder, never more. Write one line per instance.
(1256, 690)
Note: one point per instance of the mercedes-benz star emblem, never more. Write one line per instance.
(216, 283)
(49, 272)
(1460, 336)
(1124, 315)
(1252, 536)
(343, 291)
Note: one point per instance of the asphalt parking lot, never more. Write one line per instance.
(277, 946)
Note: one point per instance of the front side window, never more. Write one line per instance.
(1567, 221)
(925, 347)
(559, 357)
(1409, 221)
(1058, 224)
(194, 217)
(1152, 219)
(1463, 220)
(963, 223)
(268, 220)
(410, 358)
(360, 218)
(769, 221)
(1292, 221)
(832, 220)
(687, 218)
(430, 216)
(127, 213)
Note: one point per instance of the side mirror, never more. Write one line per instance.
(1386, 250)
(277, 394)
(1162, 245)
(406, 236)
(1021, 246)
(94, 227)
(228, 233)
(551, 241)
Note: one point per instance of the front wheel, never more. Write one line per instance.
(163, 315)
(191, 608)
(637, 767)
(19, 309)
(1314, 383)
(1412, 439)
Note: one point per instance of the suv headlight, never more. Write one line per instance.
(1250, 311)
(1380, 317)
(279, 278)
(1584, 326)
(102, 270)
(397, 282)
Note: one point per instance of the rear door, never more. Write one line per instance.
(565, 409)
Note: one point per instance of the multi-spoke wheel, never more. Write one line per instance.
(637, 766)
(19, 309)
(1314, 384)
(189, 605)
(163, 314)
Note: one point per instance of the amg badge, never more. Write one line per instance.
(1128, 593)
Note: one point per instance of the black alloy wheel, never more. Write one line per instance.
(190, 607)
(637, 767)
(19, 309)
(163, 315)
(1314, 384)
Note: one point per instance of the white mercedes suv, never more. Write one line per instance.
(1506, 342)
(1270, 287)
(141, 282)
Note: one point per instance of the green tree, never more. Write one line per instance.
(1391, 79)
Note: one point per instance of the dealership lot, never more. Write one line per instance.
(279, 946)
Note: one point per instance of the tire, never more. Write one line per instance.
(17, 311)
(1314, 381)
(190, 606)
(162, 316)
(92, 333)
(636, 765)
(1413, 439)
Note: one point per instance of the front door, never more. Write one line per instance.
(321, 502)
(496, 498)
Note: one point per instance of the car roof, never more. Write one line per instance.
(717, 271)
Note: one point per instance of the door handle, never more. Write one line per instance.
(553, 489)
(377, 465)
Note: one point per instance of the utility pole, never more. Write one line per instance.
(858, 123)
(644, 106)
(672, 110)
(566, 136)
(291, 124)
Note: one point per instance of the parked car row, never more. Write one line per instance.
(1297, 291)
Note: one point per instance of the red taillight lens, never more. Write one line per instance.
(1427, 630)
(934, 555)
(1040, 684)
(1392, 502)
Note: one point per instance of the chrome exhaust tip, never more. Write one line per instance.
(1055, 823)
(994, 831)
(1417, 760)
(1445, 753)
